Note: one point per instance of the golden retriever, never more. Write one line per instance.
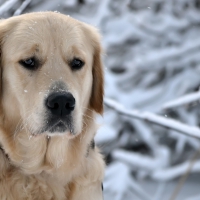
(51, 90)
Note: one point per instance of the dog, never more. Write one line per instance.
(51, 90)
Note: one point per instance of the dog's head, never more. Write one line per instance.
(51, 73)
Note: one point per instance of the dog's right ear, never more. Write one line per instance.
(3, 31)
(6, 27)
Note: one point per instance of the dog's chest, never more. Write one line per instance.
(16, 186)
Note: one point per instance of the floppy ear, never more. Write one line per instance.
(3, 30)
(1, 41)
(96, 99)
(6, 26)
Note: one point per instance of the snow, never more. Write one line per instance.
(123, 188)
(150, 117)
(139, 161)
(70, 3)
(22, 7)
(105, 134)
(174, 172)
(6, 6)
(194, 198)
(183, 100)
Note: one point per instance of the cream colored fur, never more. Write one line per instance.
(44, 166)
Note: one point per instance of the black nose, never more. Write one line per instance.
(60, 104)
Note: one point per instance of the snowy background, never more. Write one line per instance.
(149, 133)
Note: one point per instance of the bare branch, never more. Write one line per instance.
(192, 131)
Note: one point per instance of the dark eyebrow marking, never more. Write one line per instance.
(92, 144)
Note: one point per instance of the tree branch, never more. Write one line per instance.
(192, 131)
(186, 99)
(22, 7)
(7, 6)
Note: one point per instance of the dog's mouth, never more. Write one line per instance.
(60, 126)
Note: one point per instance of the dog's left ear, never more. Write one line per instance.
(96, 99)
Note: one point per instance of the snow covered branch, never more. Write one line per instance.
(22, 7)
(192, 131)
(139, 161)
(186, 99)
(125, 185)
(156, 167)
(174, 172)
(7, 6)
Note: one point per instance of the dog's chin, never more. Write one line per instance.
(66, 135)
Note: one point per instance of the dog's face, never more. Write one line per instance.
(51, 73)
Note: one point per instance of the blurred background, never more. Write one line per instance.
(149, 132)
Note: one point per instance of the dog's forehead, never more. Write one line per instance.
(45, 21)
(45, 27)
(46, 31)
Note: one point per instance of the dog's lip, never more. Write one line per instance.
(59, 126)
(61, 122)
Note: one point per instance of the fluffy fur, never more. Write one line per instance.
(36, 165)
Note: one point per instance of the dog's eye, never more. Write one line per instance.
(30, 63)
(76, 64)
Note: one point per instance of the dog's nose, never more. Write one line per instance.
(60, 104)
